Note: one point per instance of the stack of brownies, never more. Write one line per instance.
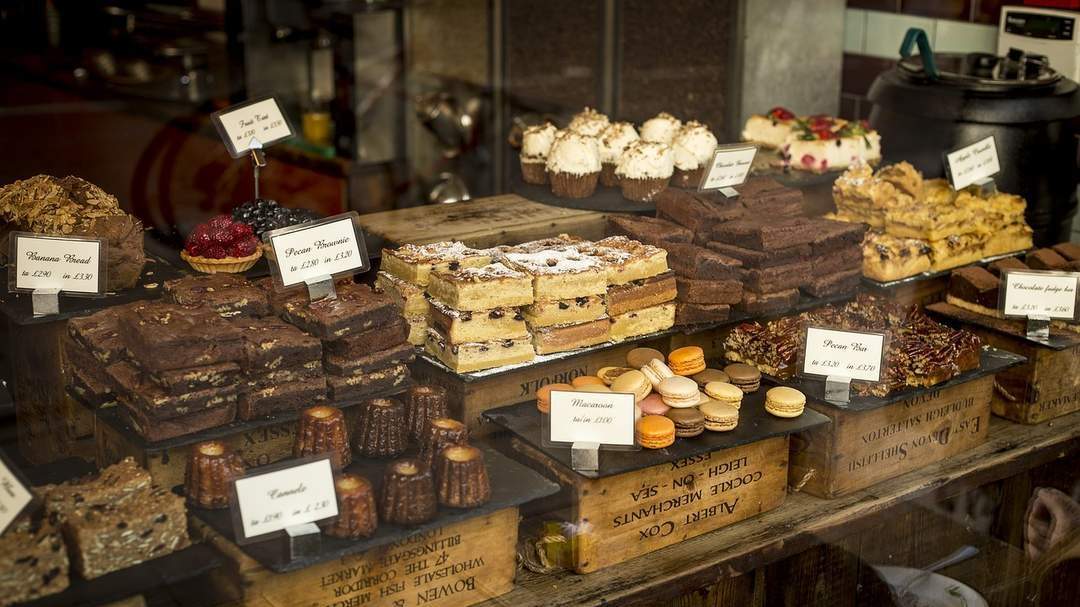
(230, 295)
(92, 343)
(405, 273)
(283, 368)
(364, 346)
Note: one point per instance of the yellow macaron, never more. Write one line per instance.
(724, 392)
(785, 402)
(633, 382)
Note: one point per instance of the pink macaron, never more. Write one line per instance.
(653, 405)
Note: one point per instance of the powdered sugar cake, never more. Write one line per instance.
(482, 288)
(462, 326)
(560, 273)
(629, 260)
(415, 263)
(474, 356)
(565, 311)
(407, 296)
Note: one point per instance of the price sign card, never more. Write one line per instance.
(832, 352)
(71, 264)
(276, 498)
(253, 124)
(729, 167)
(307, 252)
(1033, 293)
(973, 163)
(606, 418)
(14, 496)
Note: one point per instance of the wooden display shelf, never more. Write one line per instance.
(803, 522)
(1046, 386)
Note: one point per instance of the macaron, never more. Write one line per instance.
(543, 395)
(610, 374)
(656, 371)
(725, 393)
(688, 422)
(719, 417)
(679, 392)
(785, 402)
(593, 388)
(638, 357)
(745, 377)
(633, 382)
(653, 405)
(688, 360)
(587, 380)
(655, 432)
(710, 375)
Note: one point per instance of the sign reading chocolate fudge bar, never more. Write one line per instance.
(606, 419)
(288, 495)
(317, 250)
(729, 167)
(1034, 293)
(973, 164)
(14, 496)
(835, 353)
(73, 265)
(258, 124)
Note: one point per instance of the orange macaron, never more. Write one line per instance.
(587, 380)
(687, 361)
(655, 432)
(543, 395)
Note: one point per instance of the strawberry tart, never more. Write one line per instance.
(222, 245)
(814, 143)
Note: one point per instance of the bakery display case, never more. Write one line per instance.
(536, 303)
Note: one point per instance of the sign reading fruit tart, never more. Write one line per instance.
(253, 124)
(848, 354)
(289, 495)
(317, 251)
(70, 264)
(1032, 293)
(604, 418)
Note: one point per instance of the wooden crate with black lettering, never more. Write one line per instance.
(638, 502)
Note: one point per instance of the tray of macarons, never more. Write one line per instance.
(685, 409)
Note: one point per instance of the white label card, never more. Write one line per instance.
(318, 249)
(13, 496)
(730, 167)
(252, 124)
(73, 265)
(1050, 294)
(606, 418)
(272, 501)
(843, 354)
(973, 163)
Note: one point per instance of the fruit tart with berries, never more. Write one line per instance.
(222, 245)
(814, 143)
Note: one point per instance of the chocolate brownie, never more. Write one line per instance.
(360, 385)
(153, 429)
(99, 333)
(693, 261)
(761, 259)
(650, 230)
(227, 294)
(272, 344)
(764, 196)
(841, 259)
(164, 336)
(135, 391)
(695, 314)
(379, 338)
(768, 303)
(177, 382)
(833, 234)
(834, 283)
(1072, 266)
(687, 210)
(79, 359)
(346, 365)
(1045, 259)
(998, 267)
(975, 285)
(765, 235)
(1068, 250)
(90, 389)
(355, 309)
(778, 278)
(709, 291)
(277, 299)
(265, 379)
(280, 397)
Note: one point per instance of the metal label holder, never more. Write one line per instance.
(45, 302)
(987, 187)
(729, 192)
(837, 389)
(321, 288)
(258, 162)
(1038, 327)
(585, 456)
(303, 541)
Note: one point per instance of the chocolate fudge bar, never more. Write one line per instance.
(762, 196)
(693, 261)
(641, 294)
(1045, 259)
(227, 294)
(709, 291)
(762, 259)
(355, 309)
(359, 385)
(695, 314)
(33, 561)
(754, 302)
(998, 267)
(687, 210)
(153, 429)
(778, 278)
(834, 283)
(379, 338)
(164, 336)
(279, 397)
(113, 485)
(133, 390)
(764, 235)
(116, 536)
(1068, 250)
(974, 289)
(400, 354)
(650, 230)
(272, 344)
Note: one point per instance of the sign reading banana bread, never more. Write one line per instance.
(72, 265)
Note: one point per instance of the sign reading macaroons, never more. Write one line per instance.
(70, 264)
(606, 418)
(730, 167)
(253, 124)
(1032, 293)
(269, 502)
(318, 249)
(834, 353)
(14, 496)
(973, 163)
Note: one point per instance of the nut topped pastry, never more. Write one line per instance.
(535, 144)
(588, 122)
(414, 263)
(615, 139)
(644, 170)
(904, 178)
(660, 128)
(693, 149)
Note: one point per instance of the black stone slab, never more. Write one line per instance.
(524, 420)
(512, 484)
(991, 361)
(1012, 327)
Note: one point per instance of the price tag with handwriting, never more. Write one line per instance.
(1031, 293)
(285, 496)
(836, 353)
(74, 265)
(329, 247)
(973, 163)
(729, 167)
(14, 496)
(253, 124)
(605, 418)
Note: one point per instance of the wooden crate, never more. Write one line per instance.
(454, 566)
(861, 448)
(627, 515)
(483, 222)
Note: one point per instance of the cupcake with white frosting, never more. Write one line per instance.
(644, 170)
(661, 128)
(535, 144)
(613, 142)
(573, 165)
(588, 122)
(693, 149)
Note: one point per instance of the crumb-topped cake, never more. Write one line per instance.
(494, 285)
(414, 263)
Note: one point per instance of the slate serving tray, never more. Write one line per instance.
(1013, 327)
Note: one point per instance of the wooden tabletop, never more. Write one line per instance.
(802, 522)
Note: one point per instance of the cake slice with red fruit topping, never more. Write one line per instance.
(814, 143)
(222, 245)
(771, 130)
